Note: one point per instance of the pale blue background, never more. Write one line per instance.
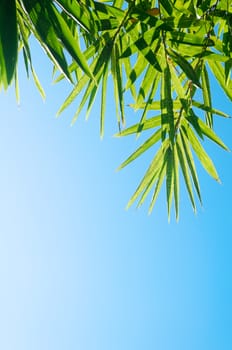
(77, 270)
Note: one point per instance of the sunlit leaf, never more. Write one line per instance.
(219, 73)
(201, 154)
(184, 167)
(144, 147)
(207, 95)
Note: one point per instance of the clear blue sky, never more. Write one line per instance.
(77, 270)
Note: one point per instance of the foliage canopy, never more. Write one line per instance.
(160, 52)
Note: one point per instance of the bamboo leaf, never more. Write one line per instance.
(211, 110)
(156, 105)
(103, 99)
(207, 131)
(37, 83)
(8, 41)
(184, 167)
(219, 73)
(144, 147)
(188, 39)
(78, 12)
(74, 93)
(160, 180)
(207, 95)
(147, 124)
(150, 175)
(169, 179)
(167, 5)
(65, 35)
(201, 154)
(43, 28)
(191, 164)
(167, 114)
(176, 181)
(186, 67)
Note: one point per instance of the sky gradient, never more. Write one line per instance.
(77, 270)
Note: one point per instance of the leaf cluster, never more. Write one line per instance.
(161, 54)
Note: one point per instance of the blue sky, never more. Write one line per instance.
(77, 270)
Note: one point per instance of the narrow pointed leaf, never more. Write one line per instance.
(169, 179)
(8, 41)
(186, 67)
(207, 131)
(176, 181)
(150, 174)
(207, 95)
(144, 147)
(184, 167)
(44, 29)
(147, 124)
(160, 180)
(201, 154)
(65, 35)
(211, 110)
(219, 73)
(191, 164)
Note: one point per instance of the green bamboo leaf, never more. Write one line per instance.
(37, 83)
(167, 5)
(209, 55)
(135, 40)
(207, 131)
(144, 147)
(191, 164)
(182, 95)
(135, 72)
(103, 99)
(97, 67)
(208, 109)
(151, 94)
(92, 97)
(160, 180)
(70, 43)
(17, 94)
(146, 51)
(119, 78)
(201, 154)
(169, 179)
(186, 67)
(219, 73)
(188, 39)
(194, 121)
(155, 105)
(184, 167)
(89, 53)
(78, 12)
(176, 181)
(108, 10)
(43, 29)
(74, 93)
(8, 41)
(128, 70)
(26, 62)
(146, 16)
(147, 124)
(150, 176)
(207, 95)
(89, 95)
(188, 51)
(167, 113)
(117, 85)
(146, 89)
